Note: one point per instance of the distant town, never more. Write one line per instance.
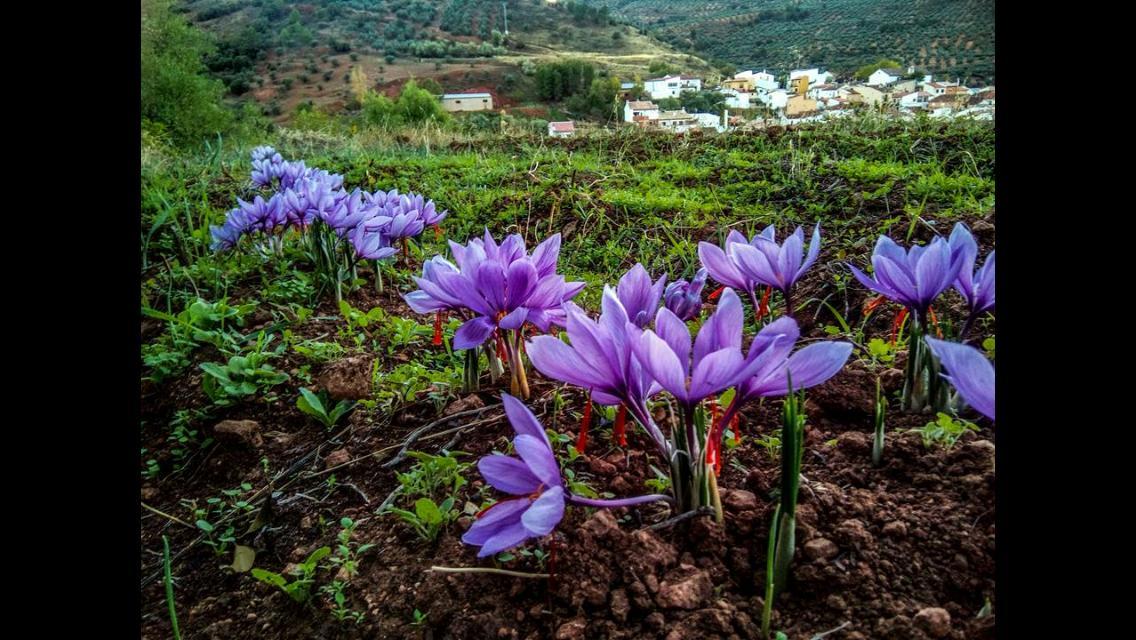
(758, 99)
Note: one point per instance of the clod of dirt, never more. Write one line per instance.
(601, 467)
(572, 630)
(336, 458)
(739, 500)
(854, 443)
(247, 431)
(620, 606)
(895, 528)
(853, 533)
(348, 379)
(934, 621)
(686, 587)
(467, 403)
(821, 549)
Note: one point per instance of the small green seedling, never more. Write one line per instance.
(945, 431)
(428, 518)
(316, 407)
(299, 589)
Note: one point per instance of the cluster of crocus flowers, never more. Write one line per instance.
(534, 478)
(619, 360)
(371, 223)
(498, 289)
(915, 278)
(747, 264)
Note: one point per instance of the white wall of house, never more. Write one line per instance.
(822, 94)
(629, 113)
(881, 78)
(467, 102)
(765, 81)
(774, 99)
(913, 100)
(709, 121)
(671, 86)
(737, 99)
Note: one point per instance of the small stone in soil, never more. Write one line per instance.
(247, 431)
(572, 630)
(934, 621)
(336, 458)
(685, 588)
(895, 528)
(821, 549)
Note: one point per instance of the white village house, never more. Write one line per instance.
(736, 99)
(678, 121)
(467, 102)
(884, 77)
(562, 129)
(671, 86)
(777, 99)
(815, 75)
(709, 121)
(640, 110)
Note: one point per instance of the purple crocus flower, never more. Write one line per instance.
(723, 264)
(346, 211)
(765, 262)
(263, 153)
(264, 215)
(712, 364)
(778, 367)
(497, 294)
(976, 286)
(430, 297)
(229, 233)
(640, 298)
(914, 278)
(683, 298)
(969, 371)
(599, 359)
(371, 242)
(535, 478)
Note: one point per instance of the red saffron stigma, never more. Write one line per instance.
(437, 231)
(872, 305)
(934, 321)
(764, 309)
(717, 292)
(438, 329)
(734, 426)
(712, 457)
(621, 425)
(582, 440)
(897, 323)
(501, 348)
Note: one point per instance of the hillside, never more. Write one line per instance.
(949, 37)
(284, 54)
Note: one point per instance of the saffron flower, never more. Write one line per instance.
(683, 298)
(779, 366)
(763, 261)
(969, 371)
(977, 287)
(640, 298)
(600, 359)
(694, 372)
(534, 477)
(913, 278)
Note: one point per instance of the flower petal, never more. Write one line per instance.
(720, 267)
(537, 454)
(508, 474)
(545, 513)
(473, 333)
(970, 372)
